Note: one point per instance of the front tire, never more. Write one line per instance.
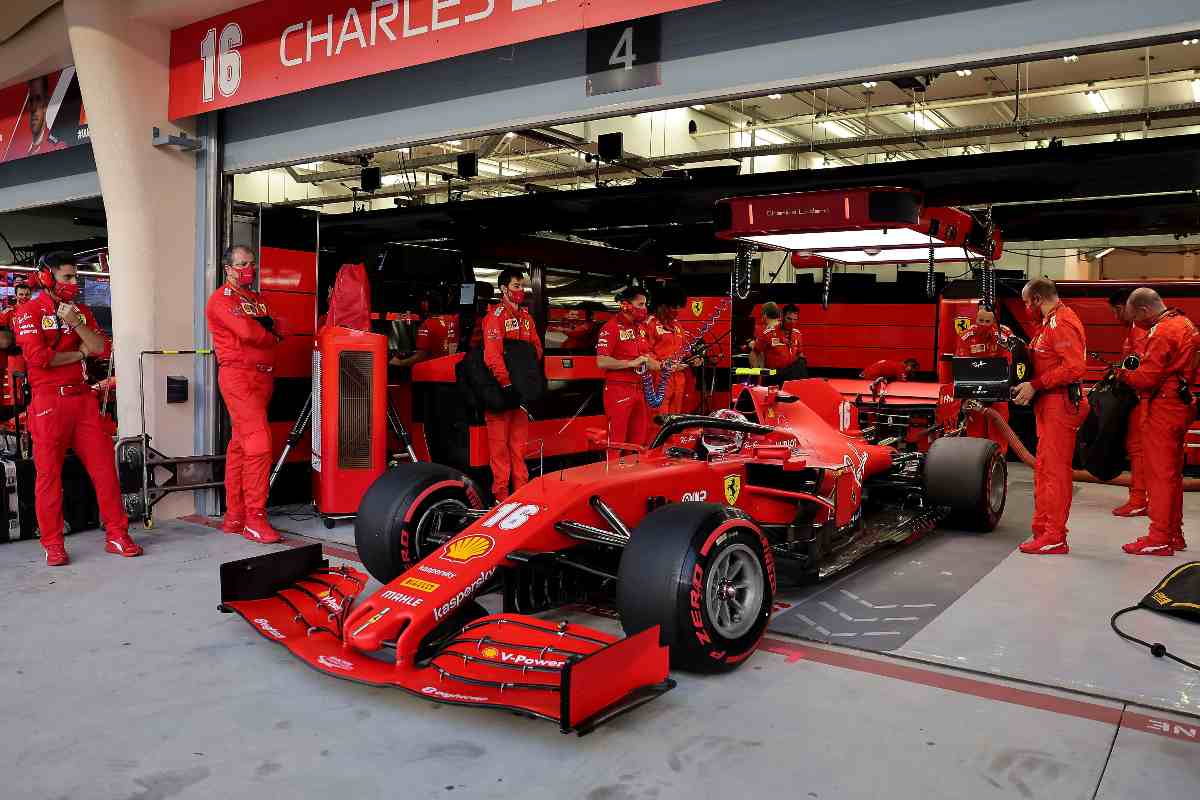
(392, 530)
(970, 476)
(705, 574)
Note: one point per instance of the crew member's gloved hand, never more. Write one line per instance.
(512, 397)
(266, 322)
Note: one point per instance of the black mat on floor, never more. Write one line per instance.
(882, 602)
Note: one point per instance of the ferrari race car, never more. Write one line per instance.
(688, 538)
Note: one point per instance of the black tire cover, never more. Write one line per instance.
(482, 388)
(1100, 443)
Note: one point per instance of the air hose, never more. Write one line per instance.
(1080, 475)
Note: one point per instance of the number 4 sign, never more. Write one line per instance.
(624, 56)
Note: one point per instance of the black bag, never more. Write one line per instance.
(482, 388)
(1100, 443)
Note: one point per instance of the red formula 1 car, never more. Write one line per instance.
(688, 537)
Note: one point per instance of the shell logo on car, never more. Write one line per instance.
(490, 652)
(468, 548)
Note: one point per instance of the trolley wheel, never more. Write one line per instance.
(148, 523)
(330, 522)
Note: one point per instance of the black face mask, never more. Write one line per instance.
(1177, 595)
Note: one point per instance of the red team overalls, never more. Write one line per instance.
(885, 368)
(433, 338)
(624, 398)
(984, 342)
(779, 348)
(1058, 355)
(1135, 344)
(666, 339)
(65, 413)
(507, 431)
(246, 357)
(1169, 362)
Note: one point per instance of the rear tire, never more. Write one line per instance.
(970, 476)
(390, 529)
(705, 574)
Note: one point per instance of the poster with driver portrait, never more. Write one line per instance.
(42, 115)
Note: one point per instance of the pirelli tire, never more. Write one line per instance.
(391, 530)
(969, 476)
(705, 574)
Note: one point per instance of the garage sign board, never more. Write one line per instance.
(278, 47)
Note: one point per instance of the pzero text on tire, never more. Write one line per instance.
(705, 574)
(394, 526)
(970, 477)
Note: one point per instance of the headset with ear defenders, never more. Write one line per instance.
(45, 277)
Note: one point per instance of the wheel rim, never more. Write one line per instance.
(425, 538)
(996, 485)
(734, 591)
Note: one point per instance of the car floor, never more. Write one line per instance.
(121, 680)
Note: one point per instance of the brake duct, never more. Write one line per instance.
(1080, 475)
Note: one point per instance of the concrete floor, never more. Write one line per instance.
(121, 681)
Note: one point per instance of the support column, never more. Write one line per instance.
(150, 200)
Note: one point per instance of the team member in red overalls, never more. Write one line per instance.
(667, 336)
(780, 343)
(432, 340)
(1135, 344)
(891, 370)
(1163, 382)
(244, 334)
(56, 336)
(1058, 352)
(508, 431)
(622, 348)
(985, 339)
(21, 295)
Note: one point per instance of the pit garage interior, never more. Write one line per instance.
(949, 666)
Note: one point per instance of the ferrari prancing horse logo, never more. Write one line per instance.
(733, 489)
(697, 308)
(1020, 371)
(961, 325)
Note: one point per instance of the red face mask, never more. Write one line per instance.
(517, 296)
(245, 275)
(635, 313)
(66, 291)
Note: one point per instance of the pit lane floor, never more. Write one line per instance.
(120, 680)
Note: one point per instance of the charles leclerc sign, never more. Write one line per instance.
(277, 47)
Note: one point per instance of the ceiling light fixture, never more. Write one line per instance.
(1196, 89)
(1187, 42)
(925, 120)
(454, 142)
(1071, 59)
(837, 129)
(1097, 100)
(870, 84)
(859, 226)
(510, 135)
(774, 97)
(962, 73)
(698, 107)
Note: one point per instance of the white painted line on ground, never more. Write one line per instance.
(882, 633)
(901, 619)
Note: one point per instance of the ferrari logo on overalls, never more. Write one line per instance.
(962, 325)
(1020, 371)
(697, 308)
(733, 489)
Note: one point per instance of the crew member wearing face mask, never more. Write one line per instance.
(985, 339)
(433, 337)
(1163, 382)
(1058, 352)
(508, 431)
(1135, 344)
(667, 336)
(56, 335)
(244, 334)
(780, 344)
(623, 348)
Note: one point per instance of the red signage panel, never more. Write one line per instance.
(277, 47)
(42, 115)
